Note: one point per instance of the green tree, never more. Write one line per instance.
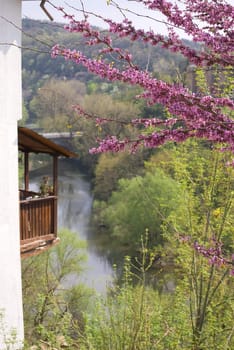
(143, 202)
(113, 167)
(205, 219)
(49, 290)
(52, 106)
(112, 108)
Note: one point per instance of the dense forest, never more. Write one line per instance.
(157, 208)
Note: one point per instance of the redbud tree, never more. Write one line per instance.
(210, 24)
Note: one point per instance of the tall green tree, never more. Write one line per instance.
(140, 203)
(203, 241)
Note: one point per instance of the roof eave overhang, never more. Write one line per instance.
(32, 142)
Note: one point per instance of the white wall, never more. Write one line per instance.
(10, 112)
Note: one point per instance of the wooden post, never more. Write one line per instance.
(26, 172)
(55, 188)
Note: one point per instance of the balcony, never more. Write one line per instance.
(38, 211)
(38, 222)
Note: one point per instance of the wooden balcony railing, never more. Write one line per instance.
(38, 222)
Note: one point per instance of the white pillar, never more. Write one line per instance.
(10, 112)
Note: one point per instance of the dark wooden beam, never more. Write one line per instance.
(26, 171)
(55, 189)
(55, 175)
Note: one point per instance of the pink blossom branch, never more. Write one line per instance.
(174, 44)
(203, 114)
(215, 255)
(99, 120)
(94, 37)
(219, 48)
(191, 115)
(213, 252)
(216, 13)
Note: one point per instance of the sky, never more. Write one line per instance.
(31, 9)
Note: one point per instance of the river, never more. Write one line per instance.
(74, 212)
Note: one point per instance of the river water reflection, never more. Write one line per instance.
(74, 212)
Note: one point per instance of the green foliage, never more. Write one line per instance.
(207, 210)
(206, 215)
(49, 290)
(107, 107)
(140, 203)
(37, 65)
(207, 293)
(113, 167)
(199, 314)
(52, 105)
(184, 196)
(124, 319)
(216, 82)
(134, 316)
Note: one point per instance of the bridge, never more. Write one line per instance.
(61, 135)
(63, 139)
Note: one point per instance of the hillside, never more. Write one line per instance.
(38, 67)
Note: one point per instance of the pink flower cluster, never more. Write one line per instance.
(216, 33)
(214, 254)
(94, 37)
(110, 144)
(191, 115)
(173, 43)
